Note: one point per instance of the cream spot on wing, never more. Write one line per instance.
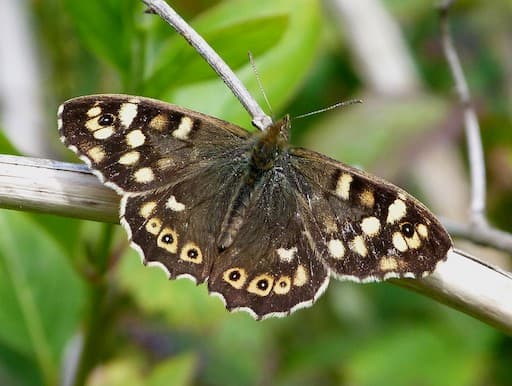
(286, 255)
(388, 263)
(147, 208)
(236, 277)
(370, 226)
(129, 158)
(159, 122)
(165, 163)
(301, 276)
(174, 205)
(97, 154)
(422, 230)
(358, 246)
(191, 252)
(135, 138)
(94, 111)
(283, 285)
(104, 133)
(367, 198)
(144, 175)
(396, 211)
(154, 225)
(336, 248)
(127, 113)
(343, 186)
(413, 242)
(168, 240)
(399, 242)
(93, 125)
(261, 285)
(183, 129)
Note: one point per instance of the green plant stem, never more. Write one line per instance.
(99, 315)
(96, 328)
(103, 249)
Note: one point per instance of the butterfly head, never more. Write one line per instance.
(270, 144)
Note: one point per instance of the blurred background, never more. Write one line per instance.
(77, 306)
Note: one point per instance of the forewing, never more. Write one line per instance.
(369, 229)
(175, 168)
(137, 144)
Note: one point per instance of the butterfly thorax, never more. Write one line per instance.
(268, 147)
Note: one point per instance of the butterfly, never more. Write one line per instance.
(263, 223)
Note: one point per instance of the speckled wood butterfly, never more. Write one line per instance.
(264, 223)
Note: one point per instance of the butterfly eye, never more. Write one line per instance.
(407, 229)
(106, 120)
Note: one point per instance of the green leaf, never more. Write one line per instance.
(180, 301)
(42, 298)
(239, 349)
(179, 64)
(6, 147)
(17, 370)
(65, 230)
(420, 355)
(176, 371)
(125, 371)
(107, 27)
(282, 34)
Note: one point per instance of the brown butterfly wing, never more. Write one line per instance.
(370, 229)
(136, 144)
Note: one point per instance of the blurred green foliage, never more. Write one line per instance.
(66, 281)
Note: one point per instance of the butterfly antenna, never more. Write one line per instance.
(334, 106)
(258, 79)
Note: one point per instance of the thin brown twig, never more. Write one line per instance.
(471, 126)
(484, 235)
(478, 229)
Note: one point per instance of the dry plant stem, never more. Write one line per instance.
(259, 118)
(482, 235)
(72, 190)
(472, 128)
(21, 80)
(471, 286)
(54, 187)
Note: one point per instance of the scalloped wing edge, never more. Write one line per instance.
(305, 304)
